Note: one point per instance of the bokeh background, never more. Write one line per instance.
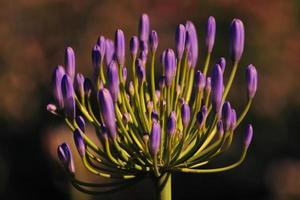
(34, 34)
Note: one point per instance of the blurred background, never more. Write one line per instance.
(34, 34)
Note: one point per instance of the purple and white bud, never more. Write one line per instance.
(207, 88)
(124, 74)
(249, 135)
(217, 89)
(109, 51)
(222, 63)
(113, 80)
(108, 111)
(79, 85)
(220, 129)
(251, 77)
(226, 116)
(199, 80)
(144, 28)
(131, 88)
(157, 94)
(68, 96)
(210, 33)
(180, 40)
(58, 74)
(143, 57)
(155, 138)
(120, 47)
(162, 82)
(153, 39)
(192, 42)
(70, 62)
(52, 108)
(79, 143)
(237, 37)
(171, 123)
(170, 66)
(185, 114)
(65, 156)
(134, 46)
(150, 106)
(80, 123)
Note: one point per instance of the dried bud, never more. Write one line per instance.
(113, 81)
(180, 40)
(79, 143)
(237, 37)
(210, 33)
(70, 62)
(52, 108)
(155, 138)
(251, 77)
(108, 111)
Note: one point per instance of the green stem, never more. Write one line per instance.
(165, 187)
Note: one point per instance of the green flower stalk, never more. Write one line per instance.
(151, 126)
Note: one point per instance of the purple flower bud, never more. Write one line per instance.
(207, 88)
(143, 57)
(80, 123)
(120, 47)
(227, 116)
(79, 84)
(162, 82)
(134, 46)
(153, 39)
(170, 66)
(52, 108)
(192, 42)
(185, 114)
(58, 73)
(233, 120)
(68, 96)
(65, 156)
(237, 37)
(180, 40)
(220, 128)
(201, 117)
(222, 63)
(210, 33)
(154, 116)
(80, 145)
(87, 85)
(101, 42)
(155, 138)
(144, 27)
(140, 71)
(124, 74)
(249, 135)
(109, 51)
(108, 111)
(199, 80)
(217, 88)
(113, 80)
(251, 77)
(157, 94)
(171, 123)
(96, 57)
(70, 62)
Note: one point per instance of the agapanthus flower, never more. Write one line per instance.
(166, 116)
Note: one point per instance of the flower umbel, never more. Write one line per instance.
(181, 123)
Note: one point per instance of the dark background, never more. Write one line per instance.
(34, 34)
